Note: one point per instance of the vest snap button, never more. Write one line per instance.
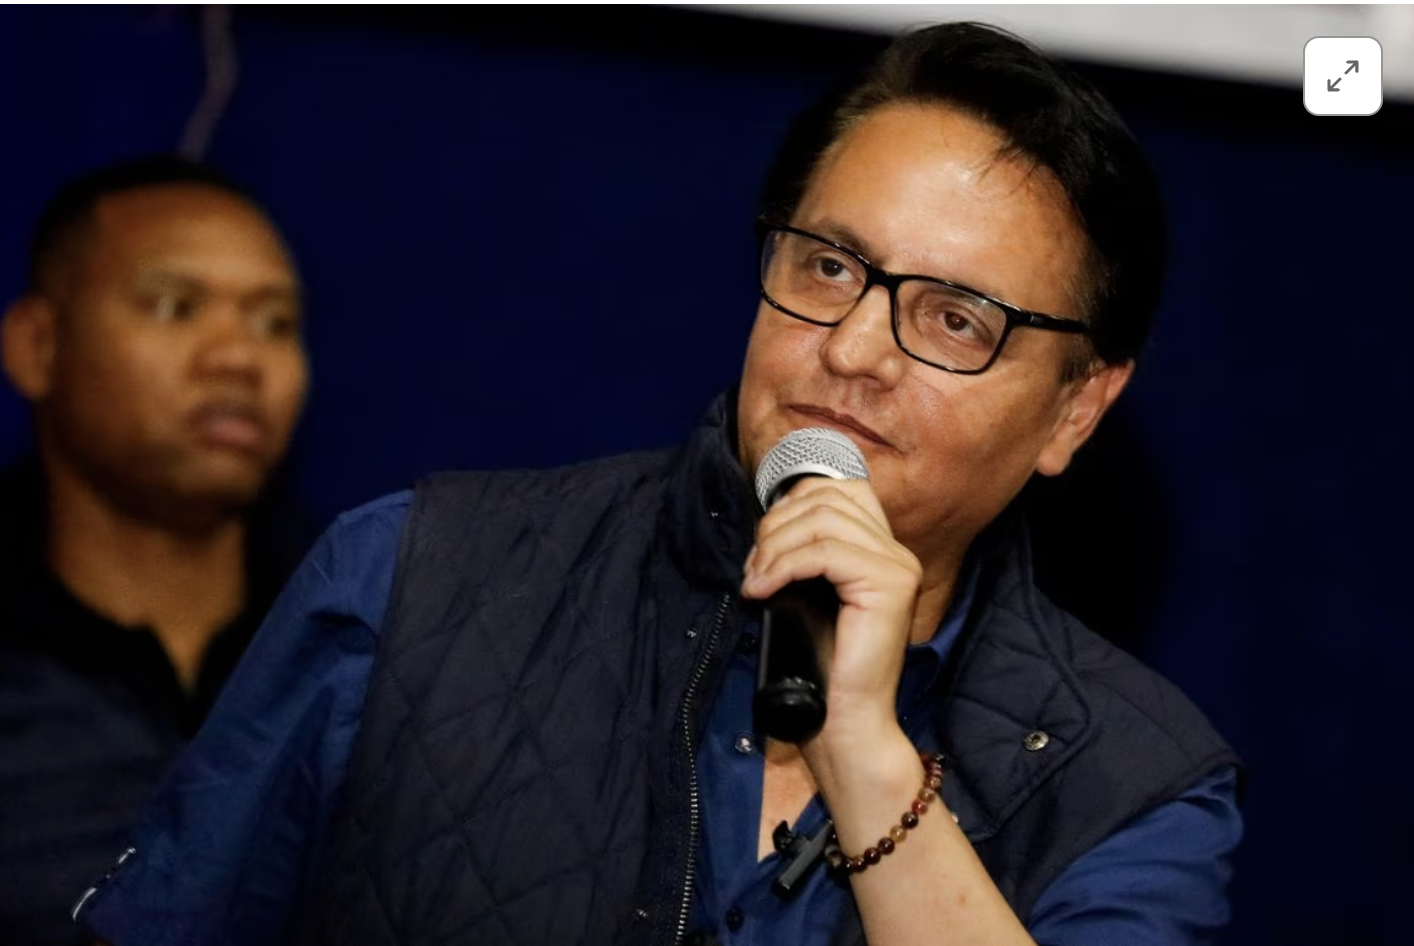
(1036, 740)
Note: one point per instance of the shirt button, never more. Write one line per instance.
(735, 918)
(1035, 741)
(745, 744)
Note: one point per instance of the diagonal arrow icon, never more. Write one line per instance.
(1341, 76)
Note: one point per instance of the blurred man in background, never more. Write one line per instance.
(159, 343)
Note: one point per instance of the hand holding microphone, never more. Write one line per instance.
(826, 562)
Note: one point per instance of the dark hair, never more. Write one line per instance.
(1046, 113)
(71, 209)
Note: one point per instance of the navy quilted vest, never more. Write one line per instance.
(524, 773)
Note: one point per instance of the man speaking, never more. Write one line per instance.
(517, 707)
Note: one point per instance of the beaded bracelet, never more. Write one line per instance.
(842, 863)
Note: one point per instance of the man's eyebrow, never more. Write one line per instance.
(167, 277)
(844, 236)
(163, 276)
(286, 292)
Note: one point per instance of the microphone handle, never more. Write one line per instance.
(797, 642)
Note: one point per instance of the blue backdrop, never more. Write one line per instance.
(527, 240)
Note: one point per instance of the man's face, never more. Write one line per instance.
(178, 366)
(920, 189)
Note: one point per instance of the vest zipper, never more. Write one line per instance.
(694, 815)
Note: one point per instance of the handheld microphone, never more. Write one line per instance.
(798, 626)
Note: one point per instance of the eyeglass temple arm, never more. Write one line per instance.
(1037, 320)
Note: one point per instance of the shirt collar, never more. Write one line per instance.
(924, 662)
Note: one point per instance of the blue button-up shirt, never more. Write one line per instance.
(735, 900)
(230, 849)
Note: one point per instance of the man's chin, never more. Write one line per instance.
(217, 489)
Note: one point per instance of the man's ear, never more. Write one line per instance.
(27, 341)
(1081, 413)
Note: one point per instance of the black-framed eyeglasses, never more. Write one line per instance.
(937, 322)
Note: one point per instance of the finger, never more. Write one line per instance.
(860, 492)
(853, 496)
(817, 520)
(813, 523)
(828, 531)
(864, 577)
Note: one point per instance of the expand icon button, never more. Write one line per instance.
(1343, 75)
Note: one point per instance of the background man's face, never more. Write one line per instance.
(920, 189)
(179, 369)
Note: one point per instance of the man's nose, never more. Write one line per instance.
(863, 345)
(229, 343)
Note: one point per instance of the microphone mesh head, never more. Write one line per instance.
(813, 451)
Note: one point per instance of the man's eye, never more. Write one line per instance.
(832, 268)
(949, 322)
(172, 308)
(959, 324)
(277, 324)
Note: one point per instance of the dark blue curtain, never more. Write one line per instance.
(527, 240)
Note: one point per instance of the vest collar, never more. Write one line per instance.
(711, 507)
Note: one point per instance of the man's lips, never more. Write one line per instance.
(227, 424)
(843, 422)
